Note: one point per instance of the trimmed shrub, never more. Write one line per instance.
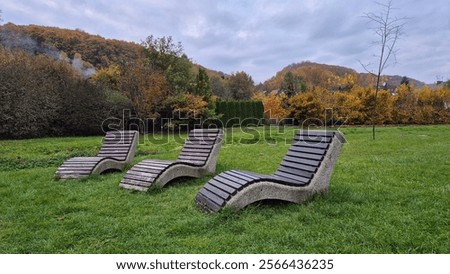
(240, 113)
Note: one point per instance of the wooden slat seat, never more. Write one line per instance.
(117, 150)
(197, 158)
(304, 171)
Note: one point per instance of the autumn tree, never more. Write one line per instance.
(110, 80)
(385, 105)
(345, 83)
(241, 86)
(388, 29)
(404, 105)
(292, 84)
(145, 87)
(306, 108)
(219, 88)
(203, 85)
(348, 106)
(109, 76)
(167, 56)
(274, 106)
(432, 106)
(188, 110)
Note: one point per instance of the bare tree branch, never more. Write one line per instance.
(388, 29)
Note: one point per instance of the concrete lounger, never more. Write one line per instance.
(304, 172)
(117, 150)
(197, 159)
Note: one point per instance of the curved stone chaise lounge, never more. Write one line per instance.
(197, 159)
(304, 172)
(117, 150)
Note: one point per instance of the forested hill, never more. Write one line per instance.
(322, 75)
(64, 43)
(95, 51)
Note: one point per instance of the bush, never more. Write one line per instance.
(241, 113)
(42, 97)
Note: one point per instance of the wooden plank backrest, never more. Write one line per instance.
(198, 146)
(304, 156)
(117, 144)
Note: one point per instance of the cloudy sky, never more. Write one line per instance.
(260, 37)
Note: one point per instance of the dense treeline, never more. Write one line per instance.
(41, 97)
(353, 104)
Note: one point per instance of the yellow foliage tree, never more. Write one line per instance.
(188, 110)
(307, 108)
(346, 82)
(404, 105)
(109, 76)
(348, 108)
(275, 107)
(385, 105)
(432, 106)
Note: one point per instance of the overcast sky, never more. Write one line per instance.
(259, 37)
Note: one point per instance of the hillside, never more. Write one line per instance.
(322, 75)
(63, 43)
(95, 51)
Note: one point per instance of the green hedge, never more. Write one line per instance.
(240, 113)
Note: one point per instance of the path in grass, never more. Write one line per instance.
(391, 195)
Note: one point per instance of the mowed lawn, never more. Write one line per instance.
(391, 195)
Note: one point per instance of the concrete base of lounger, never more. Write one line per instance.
(139, 179)
(80, 167)
(180, 169)
(109, 164)
(76, 171)
(269, 190)
(176, 170)
(236, 189)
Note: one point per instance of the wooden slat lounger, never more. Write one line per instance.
(304, 171)
(197, 159)
(117, 150)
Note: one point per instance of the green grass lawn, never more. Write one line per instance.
(391, 195)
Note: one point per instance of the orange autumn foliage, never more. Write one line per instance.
(354, 105)
(275, 106)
